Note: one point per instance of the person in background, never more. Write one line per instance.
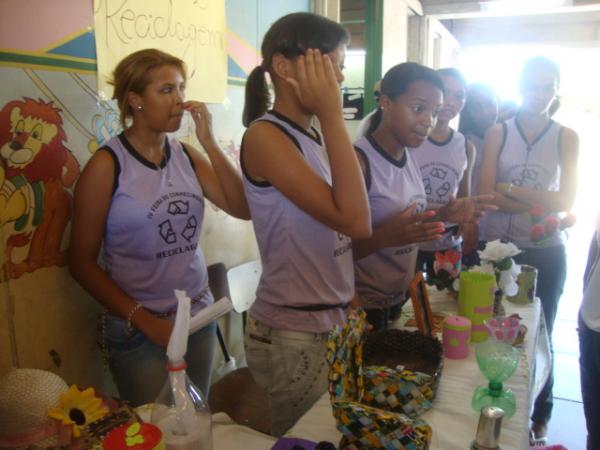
(445, 160)
(411, 97)
(478, 115)
(140, 203)
(532, 160)
(361, 130)
(589, 344)
(307, 200)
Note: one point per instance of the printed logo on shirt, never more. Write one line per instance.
(532, 176)
(343, 245)
(440, 180)
(178, 229)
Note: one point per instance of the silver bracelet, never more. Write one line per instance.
(129, 317)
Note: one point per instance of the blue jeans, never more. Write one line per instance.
(589, 367)
(551, 263)
(138, 366)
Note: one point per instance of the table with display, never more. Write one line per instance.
(452, 419)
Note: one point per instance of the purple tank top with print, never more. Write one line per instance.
(535, 166)
(305, 263)
(153, 226)
(442, 166)
(382, 277)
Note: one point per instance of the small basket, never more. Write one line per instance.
(410, 349)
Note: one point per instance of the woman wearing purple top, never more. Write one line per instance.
(479, 114)
(307, 200)
(532, 160)
(411, 97)
(141, 199)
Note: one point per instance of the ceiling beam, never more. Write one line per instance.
(497, 8)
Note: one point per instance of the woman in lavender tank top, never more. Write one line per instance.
(411, 97)
(479, 114)
(141, 199)
(532, 160)
(445, 160)
(307, 199)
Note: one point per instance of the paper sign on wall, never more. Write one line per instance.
(193, 30)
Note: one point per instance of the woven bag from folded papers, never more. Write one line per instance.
(365, 426)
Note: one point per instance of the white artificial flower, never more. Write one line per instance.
(456, 284)
(496, 251)
(508, 283)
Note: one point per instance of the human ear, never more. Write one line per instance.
(134, 101)
(281, 67)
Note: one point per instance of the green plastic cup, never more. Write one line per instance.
(476, 301)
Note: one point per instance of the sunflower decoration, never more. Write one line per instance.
(78, 408)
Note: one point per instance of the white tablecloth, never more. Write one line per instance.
(452, 419)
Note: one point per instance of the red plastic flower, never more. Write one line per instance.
(537, 213)
(537, 233)
(551, 225)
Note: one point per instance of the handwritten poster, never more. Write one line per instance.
(193, 30)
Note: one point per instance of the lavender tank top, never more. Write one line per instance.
(382, 277)
(305, 263)
(442, 166)
(536, 167)
(153, 226)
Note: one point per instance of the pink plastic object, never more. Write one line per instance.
(504, 329)
(455, 337)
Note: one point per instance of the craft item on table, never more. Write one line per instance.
(489, 427)
(498, 362)
(438, 322)
(456, 336)
(446, 269)
(180, 410)
(78, 409)
(476, 301)
(135, 436)
(527, 283)
(504, 329)
(417, 291)
(363, 426)
(401, 391)
(26, 395)
(95, 432)
(411, 350)
(497, 258)
(301, 444)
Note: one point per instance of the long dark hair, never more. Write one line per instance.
(397, 81)
(291, 36)
(465, 123)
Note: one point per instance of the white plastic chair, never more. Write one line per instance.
(243, 281)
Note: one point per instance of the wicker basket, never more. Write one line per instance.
(411, 349)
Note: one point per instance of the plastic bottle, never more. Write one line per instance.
(182, 414)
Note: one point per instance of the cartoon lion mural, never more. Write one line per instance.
(35, 172)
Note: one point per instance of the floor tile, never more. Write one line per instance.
(566, 377)
(567, 426)
(565, 337)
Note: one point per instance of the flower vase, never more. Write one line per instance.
(498, 306)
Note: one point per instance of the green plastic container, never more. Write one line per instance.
(476, 301)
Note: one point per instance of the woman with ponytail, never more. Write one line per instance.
(307, 200)
(411, 97)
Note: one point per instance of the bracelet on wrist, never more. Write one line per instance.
(132, 311)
